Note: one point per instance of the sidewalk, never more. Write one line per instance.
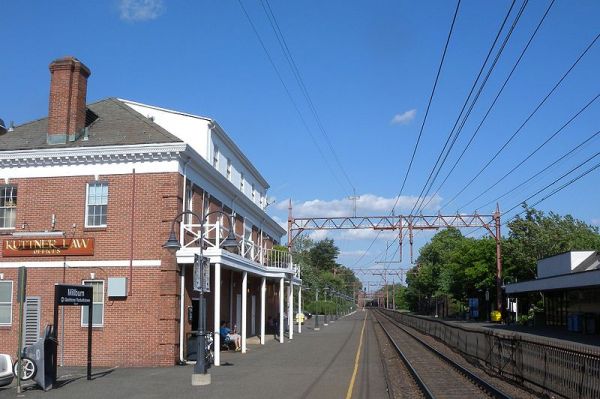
(315, 364)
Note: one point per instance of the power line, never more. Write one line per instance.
(300, 81)
(454, 133)
(531, 154)
(545, 169)
(439, 70)
(437, 76)
(491, 105)
(559, 179)
(289, 94)
(542, 102)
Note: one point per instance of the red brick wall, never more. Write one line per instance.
(140, 330)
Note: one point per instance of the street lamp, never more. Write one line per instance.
(325, 291)
(200, 375)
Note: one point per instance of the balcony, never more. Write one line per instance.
(255, 254)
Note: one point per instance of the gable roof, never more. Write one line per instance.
(116, 124)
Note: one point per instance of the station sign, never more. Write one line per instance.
(48, 247)
(72, 295)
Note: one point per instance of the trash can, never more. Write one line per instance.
(590, 324)
(496, 316)
(43, 355)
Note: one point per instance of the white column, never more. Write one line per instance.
(299, 307)
(244, 305)
(217, 315)
(263, 297)
(291, 310)
(281, 310)
(181, 312)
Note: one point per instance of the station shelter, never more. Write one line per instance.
(570, 286)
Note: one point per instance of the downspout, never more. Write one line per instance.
(131, 232)
(182, 276)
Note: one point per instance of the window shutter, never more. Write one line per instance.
(31, 319)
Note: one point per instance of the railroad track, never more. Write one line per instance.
(436, 375)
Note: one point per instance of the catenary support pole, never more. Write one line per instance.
(263, 298)
(244, 309)
(217, 315)
(498, 238)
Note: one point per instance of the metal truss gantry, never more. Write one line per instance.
(401, 223)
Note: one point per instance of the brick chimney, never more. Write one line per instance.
(68, 87)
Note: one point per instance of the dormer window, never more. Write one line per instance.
(228, 169)
(253, 193)
(216, 157)
(241, 182)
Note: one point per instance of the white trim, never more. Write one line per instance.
(83, 308)
(12, 285)
(81, 263)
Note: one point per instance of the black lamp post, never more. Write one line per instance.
(325, 290)
(173, 245)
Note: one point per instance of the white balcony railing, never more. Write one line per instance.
(214, 233)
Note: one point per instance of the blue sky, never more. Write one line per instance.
(369, 68)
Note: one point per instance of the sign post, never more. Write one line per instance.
(75, 295)
(21, 294)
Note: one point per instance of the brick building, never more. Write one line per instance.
(88, 195)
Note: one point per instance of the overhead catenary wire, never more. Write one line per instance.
(493, 103)
(416, 146)
(541, 171)
(454, 132)
(532, 113)
(289, 94)
(531, 154)
(300, 81)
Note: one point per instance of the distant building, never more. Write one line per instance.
(87, 196)
(570, 285)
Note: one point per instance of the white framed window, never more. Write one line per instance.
(6, 287)
(97, 303)
(253, 193)
(229, 169)
(262, 200)
(8, 206)
(216, 156)
(96, 203)
(242, 182)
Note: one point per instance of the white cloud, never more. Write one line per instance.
(140, 10)
(404, 118)
(366, 205)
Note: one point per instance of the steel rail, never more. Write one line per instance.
(422, 385)
(481, 383)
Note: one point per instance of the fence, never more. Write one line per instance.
(569, 369)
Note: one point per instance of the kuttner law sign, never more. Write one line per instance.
(48, 247)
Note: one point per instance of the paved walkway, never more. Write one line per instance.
(315, 364)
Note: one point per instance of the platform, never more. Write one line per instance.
(315, 364)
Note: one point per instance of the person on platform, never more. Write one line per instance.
(233, 336)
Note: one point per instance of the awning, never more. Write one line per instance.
(583, 279)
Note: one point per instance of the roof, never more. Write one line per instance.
(584, 273)
(116, 124)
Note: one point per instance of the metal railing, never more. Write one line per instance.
(568, 369)
(214, 233)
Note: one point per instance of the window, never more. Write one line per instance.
(228, 169)
(6, 302)
(97, 303)
(216, 156)
(253, 193)
(262, 200)
(97, 201)
(8, 207)
(241, 182)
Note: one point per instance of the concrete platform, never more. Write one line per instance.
(315, 364)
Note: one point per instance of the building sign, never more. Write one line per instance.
(72, 295)
(48, 247)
